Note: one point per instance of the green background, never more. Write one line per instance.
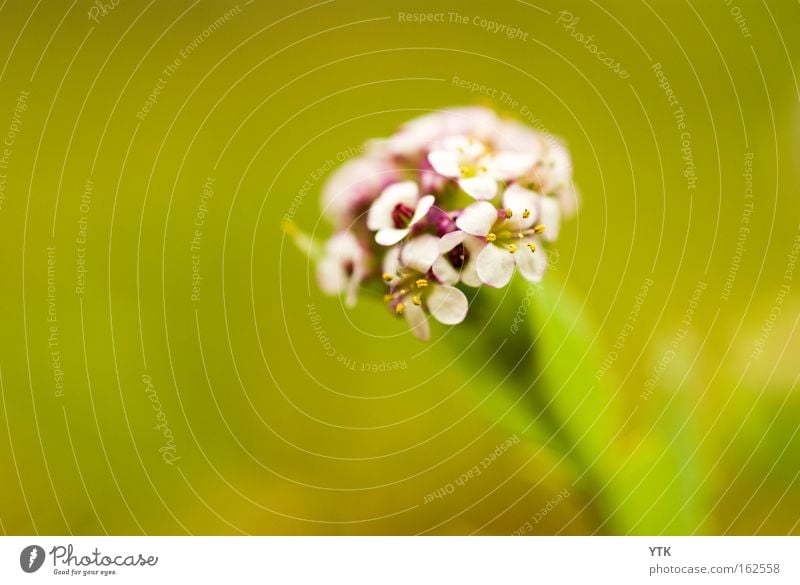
(274, 434)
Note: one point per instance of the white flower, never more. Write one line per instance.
(353, 186)
(449, 259)
(459, 258)
(342, 267)
(467, 160)
(510, 236)
(398, 208)
(557, 168)
(552, 175)
(447, 304)
(558, 178)
(412, 292)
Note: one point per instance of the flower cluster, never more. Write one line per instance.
(456, 198)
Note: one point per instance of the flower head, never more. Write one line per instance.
(415, 290)
(396, 208)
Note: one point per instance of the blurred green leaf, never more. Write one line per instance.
(642, 482)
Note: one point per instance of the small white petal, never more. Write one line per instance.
(358, 181)
(417, 321)
(518, 200)
(444, 271)
(380, 212)
(420, 253)
(351, 290)
(330, 275)
(478, 218)
(423, 207)
(402, 192)
(391, 262)
(531, 265)
(550, 217)
(447, 304)
(445, 162)
(449, 241)
(482, 187)
(469, 272)
(459, 144)
(473, 149)
(495, 266)
(390, 236)
(340, 250)
(510, 165)
(343, 245)
(568, 197)
(559, 165)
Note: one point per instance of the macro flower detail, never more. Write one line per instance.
(459, 253)
(405, 225)
(415, 290)
(467, 160)
(396, 210)
(354, 186)
(511, 236)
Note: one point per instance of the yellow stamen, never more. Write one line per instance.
(491, 238)
(511, 248)
(387, 277)
(422, 283)
(416, 301)
(526, 214)
(400, 308)
(388, 297)
(508, 213)
(532, 246)
(538, 229)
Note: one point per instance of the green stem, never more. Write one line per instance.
(489, 326)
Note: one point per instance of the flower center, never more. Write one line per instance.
(401, 215)
(403, 288)
(458, 256)
(508, 239)
(468, 171)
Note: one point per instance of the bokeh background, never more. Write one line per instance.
(149, 387)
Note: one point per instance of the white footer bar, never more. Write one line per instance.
(400, 560)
